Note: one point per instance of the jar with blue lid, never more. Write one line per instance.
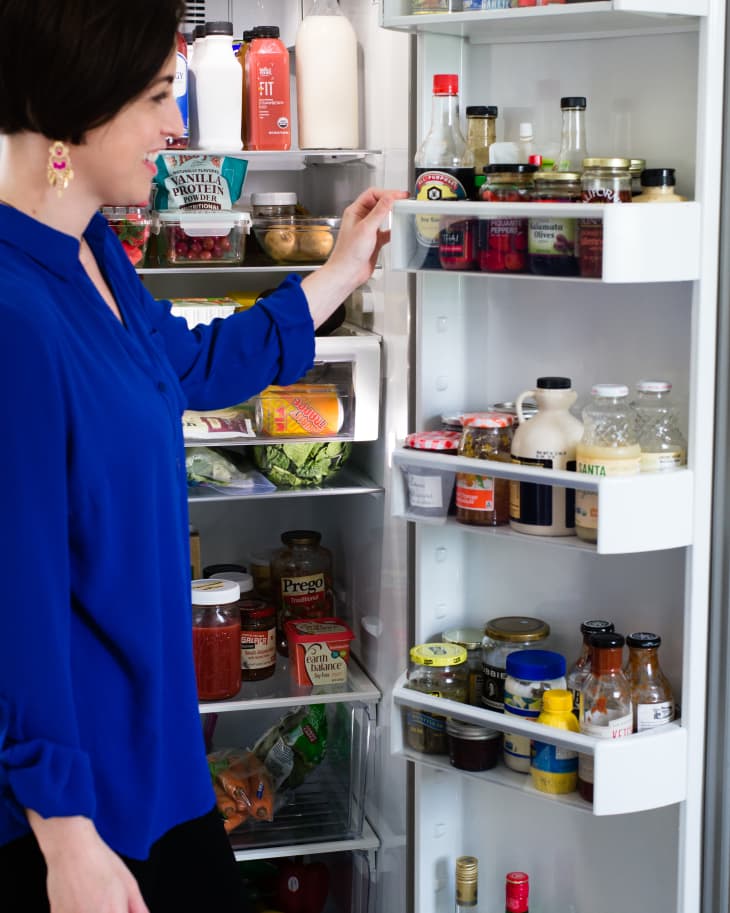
(529, 674)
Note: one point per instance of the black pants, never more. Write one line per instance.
(191, 869)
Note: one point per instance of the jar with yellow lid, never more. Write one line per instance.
(503, 636)
(482, 500)
(440, 670)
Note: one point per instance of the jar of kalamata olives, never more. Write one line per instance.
(483, 500)
(440, 670)
(551, 241)
(604, 180)
(502, 243)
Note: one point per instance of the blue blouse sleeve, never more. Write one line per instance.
(41, 764)
(229, 360)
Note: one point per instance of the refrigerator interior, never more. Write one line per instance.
(654, 92)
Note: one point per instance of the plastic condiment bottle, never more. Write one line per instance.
(526, 143)
(652, 699)
(605, 703)
(548, 440)
(325, 57)
(554, 769)
(581, 668)
(218, 90)
(663, 446)
(268, 107)
(657, 186)
(609, 447)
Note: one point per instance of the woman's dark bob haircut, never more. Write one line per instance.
(67, 66)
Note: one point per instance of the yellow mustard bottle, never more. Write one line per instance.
(555, 769)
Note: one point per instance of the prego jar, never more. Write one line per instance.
(471, 640)
(529, 674)
(551, 241)
(483, 500)
(439, 670)
(216, 638)
(502, 243)
(604, 180)
(503, 636)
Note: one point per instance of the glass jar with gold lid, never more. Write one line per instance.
(503, 636)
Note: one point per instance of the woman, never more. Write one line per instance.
(106, 804)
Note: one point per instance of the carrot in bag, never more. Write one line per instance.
(232, 816)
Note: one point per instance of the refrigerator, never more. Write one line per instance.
(657, 834)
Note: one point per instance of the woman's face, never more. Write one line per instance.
(116, 161)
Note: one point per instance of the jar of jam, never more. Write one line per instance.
(502, 243)
(216, 638)
(551, 241)
(483, 500)
(301, 577)
(503, 636)
(440, 671)
(604, 180)
(472, 747)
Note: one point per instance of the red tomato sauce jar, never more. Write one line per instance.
(502, 242)
(216, 638)
(458, 243)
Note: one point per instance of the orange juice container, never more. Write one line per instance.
(299, 409)
(268, 107)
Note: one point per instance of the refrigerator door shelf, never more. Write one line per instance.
(640, 772)
(654, 242)
(578, 20)
(646, 512)
(280, 692)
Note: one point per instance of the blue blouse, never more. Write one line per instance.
(98, 705)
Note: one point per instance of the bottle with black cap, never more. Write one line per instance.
(547, 440)
(573, 147)
(657, 186)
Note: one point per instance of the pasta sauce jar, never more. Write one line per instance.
(502, 242)
(482, 500)
(604, 180)
(258, 637)
(216, 638)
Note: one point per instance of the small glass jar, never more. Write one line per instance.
(604, 180)
(458, 243)
(259, 566)
(503, 636)
(472, 747)
(657, 186)
(429, 489)
(484, 500)
(636, 166)
(439, 670)
(529, 674)
(502, 243)
(471, 640)
(216, 638)
(273, 205)
(258, 636)
(551, 241)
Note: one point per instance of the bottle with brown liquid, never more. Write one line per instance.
(651, 694)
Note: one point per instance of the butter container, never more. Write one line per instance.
(319, 650)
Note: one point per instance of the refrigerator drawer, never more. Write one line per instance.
(646, 512)
(636, 773)
(652, 242)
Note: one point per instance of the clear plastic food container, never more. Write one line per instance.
(201, 238)
(297, 239)
(131, 224)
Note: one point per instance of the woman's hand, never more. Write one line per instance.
(84, 874)
(355, 254)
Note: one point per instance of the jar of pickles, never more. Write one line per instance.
(471, 640)
(551, 240)
(502, 243)
(503, 636)
(604, 180)
(483, 500)
(439, 670)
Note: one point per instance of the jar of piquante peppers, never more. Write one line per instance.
(551, 240)
(604, 180)
(502, 243)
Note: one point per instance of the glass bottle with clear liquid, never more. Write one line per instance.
(662, 443)
(609, 447)
(573, 147)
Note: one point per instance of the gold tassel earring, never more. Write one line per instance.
(60, 173)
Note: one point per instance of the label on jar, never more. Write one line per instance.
(258, 649)
(424, 491)
(425, 731)
(551, 237)
(474, 492)
(650, 715)
(586, 502)
(612, 729)
(493, 687)
(502, 245)
(533, 504)
(661, 462)
(432, 185)
(305, 597)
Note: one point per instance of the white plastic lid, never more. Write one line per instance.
(610, 390)
(525, 130)
(244, 581)
(205, 223)
(213, 591)
(273, 199)
(653, 386)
